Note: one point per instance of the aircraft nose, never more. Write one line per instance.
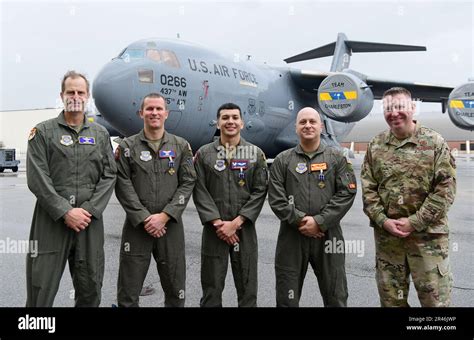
(112, 92)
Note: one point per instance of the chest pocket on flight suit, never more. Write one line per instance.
(296, 183)
(167, 182)
(243, 192)
(92, 158)
(325, 193)
(140, 172)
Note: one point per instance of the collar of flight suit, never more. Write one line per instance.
(299, 150)
(414, 138)
(62, 121)
(164, 139)
(217, 143)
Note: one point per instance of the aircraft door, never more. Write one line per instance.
(142, 85)
(205, 110)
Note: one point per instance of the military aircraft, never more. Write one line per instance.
(195, 81)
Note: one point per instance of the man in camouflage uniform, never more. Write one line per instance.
(229, 195)
(154, 183)
(408, 181)
(311, 188)
(71, 171)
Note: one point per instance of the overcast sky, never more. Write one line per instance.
(41, 40)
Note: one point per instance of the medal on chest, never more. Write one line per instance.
(241, 165)
(170, 154)
(321, 177)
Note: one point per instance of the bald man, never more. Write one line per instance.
(311, 188)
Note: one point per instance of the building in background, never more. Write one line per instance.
(373, 124)
(15, 127)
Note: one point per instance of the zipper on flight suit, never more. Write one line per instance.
(229, 179)
(308, 181)
(156, 170)
(76, 142)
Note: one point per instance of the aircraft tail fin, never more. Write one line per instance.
(343, 48)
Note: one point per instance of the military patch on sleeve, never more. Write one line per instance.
(117, 153)
(32, 134)
(349, 166)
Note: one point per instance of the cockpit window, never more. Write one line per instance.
(132, 54)
(163, 56)
(145, 76)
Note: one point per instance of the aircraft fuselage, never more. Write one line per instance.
(195, 81)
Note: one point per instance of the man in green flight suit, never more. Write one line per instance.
(71, 171)
(408, 183)
(311, 188)
(154, 183)
(229, 195)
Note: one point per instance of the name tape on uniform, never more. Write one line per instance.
(238, 164)
(86, 140)
(167, 154)
(319, 166)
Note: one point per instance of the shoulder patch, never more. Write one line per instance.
(117, 153)
(32, 134)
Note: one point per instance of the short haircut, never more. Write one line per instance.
(228, 106)
(396, 90)
(152, 95)
(73, 75)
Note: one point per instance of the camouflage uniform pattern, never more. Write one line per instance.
(413, 178)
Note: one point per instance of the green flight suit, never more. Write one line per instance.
(225, 191)
(296, 190)
(147, 184)
(67, 169)
(413, 178)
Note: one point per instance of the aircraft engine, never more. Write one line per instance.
(345, 98)
(461, 106)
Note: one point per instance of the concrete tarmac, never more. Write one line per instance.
(16, 209)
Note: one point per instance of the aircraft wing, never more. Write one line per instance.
(310, 81)
(420, 91)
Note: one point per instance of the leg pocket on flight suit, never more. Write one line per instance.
(287, 278)
(241, 264)
(44, 268)
(100, 266)
(339, 284)
(136, 242)
(168, 269)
